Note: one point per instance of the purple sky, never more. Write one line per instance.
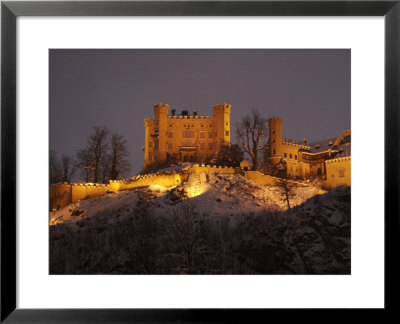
(309, 89)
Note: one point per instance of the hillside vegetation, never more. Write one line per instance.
(222, 224)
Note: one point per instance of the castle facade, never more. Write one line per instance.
(185, 137)
(328, 159)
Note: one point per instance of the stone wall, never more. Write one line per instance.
(165, 180)
(88, 190)
(260, 178)
(207, 169)
(64, 194)
(266, 180)
(338, 172)
(60, 195)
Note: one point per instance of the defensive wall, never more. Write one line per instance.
(338, 172)
(63, 194)
(266, 180)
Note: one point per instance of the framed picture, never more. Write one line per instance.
(243, 181)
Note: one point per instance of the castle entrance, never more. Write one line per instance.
(188, 153)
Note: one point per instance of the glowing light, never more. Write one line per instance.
(194, 191)
(56, 221)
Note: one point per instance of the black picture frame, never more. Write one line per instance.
(10, 10)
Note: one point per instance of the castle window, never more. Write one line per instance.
(285, 154)
(273, 132)
(273, 141)
(341, 172)
(291, 156)
(156, 144)
(169, 146)
(295, 157)
(274, 151)
(202, 125)
(202, 134)
(226, 133)
(210, 146)
(170, 134)
(150, 144)
(150, 155)
(170, 125)
(210, 134)
(202, 147)
(188, 134)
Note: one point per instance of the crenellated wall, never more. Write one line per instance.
(87, 190)
(338, 172)
(207, 168)
(165, 180)
(60, 195)
(64, 194)
(266, 180)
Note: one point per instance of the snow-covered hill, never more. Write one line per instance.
(223, 194)
(222, 224)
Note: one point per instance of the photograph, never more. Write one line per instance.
(199, 161)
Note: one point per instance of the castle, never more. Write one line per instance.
(328, 159)
(191, 138)
(185, 137)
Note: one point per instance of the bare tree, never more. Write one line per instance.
(85, 163)
(251, 132)
(118, 155)
(91, 157)
(68, 168)
(286, 188)
(105, 166)
(55, 171)
(98, 147)
(184, 227)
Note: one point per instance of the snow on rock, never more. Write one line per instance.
(241, 227)
(221, 194)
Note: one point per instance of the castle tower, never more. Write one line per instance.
(275, 149)
(222, 122)
(146, 149)
(160, 132)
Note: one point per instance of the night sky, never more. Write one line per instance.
(309, 89)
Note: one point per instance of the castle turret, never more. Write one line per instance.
(160, 132)
(275, 140)
(222, 120)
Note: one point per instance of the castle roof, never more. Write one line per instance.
(341, 144)
(323, 145)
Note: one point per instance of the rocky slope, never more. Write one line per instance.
(221, 224)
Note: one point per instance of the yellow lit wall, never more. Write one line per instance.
(174, 136)
(338, 172)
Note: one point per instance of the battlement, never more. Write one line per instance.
(275, 119)
(297, 145)
(267, 180)
(339, 160)
(161, 106)
(180, 117)
(222, 106)
(221, 109)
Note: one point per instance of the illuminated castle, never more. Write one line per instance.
(185, 137)
(329, 159)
